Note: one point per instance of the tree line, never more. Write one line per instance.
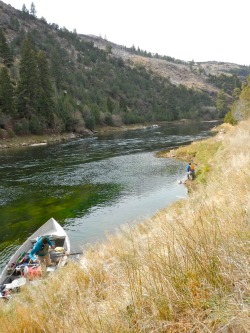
(26, 104)
(53, 81)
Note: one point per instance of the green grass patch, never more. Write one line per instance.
(202, 154)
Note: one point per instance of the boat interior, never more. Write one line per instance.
(56, 255)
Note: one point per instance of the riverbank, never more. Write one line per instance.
(35, 140)
(184, 270)
(200, 153)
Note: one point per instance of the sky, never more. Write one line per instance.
(199, 30)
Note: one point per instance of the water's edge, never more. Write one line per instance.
(91, 186)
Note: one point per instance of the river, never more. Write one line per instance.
(91, 186)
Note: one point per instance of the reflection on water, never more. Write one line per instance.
(91, 186)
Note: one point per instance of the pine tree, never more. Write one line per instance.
(33, 9)
(27, 85)
(45, 91)
(236, 94)
(57, 67)
(221, 103)
(25, 10)
(6, 92)
(108, 49)
(110, 105)
(5, 52)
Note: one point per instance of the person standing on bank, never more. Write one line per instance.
(41, 248)
(190, 171)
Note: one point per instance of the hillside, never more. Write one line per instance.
(192, 75)
(184, 270)
(54, 81)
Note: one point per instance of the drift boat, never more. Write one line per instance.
(15, 272)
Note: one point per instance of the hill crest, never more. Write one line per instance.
(191, 74)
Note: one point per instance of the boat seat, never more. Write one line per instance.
(59, 242)
(52, 238)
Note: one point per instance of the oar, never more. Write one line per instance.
(67, 254)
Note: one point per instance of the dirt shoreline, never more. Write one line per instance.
(34, 140)
(39, 140)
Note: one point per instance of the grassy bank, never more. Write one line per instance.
(184, 270)
(201, 153)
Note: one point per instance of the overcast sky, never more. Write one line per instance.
(199, 30)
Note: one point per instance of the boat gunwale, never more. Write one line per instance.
(28, 244)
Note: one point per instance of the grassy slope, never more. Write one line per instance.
(184, 270)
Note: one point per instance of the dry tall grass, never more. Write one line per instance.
(184, 270)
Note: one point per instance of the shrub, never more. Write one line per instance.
(3, 133)
(22, 127)
(11, 133)
(229, 119)
(90, 122)
(35, 125)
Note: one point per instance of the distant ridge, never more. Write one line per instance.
(192, 75)
(85, 82)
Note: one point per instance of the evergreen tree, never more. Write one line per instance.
(45, 91)
(5, 52)
(57, 67)
(122, 105)
(25, 11)
(230, 119)
(6, 92)
(221, 103)
(236, 94)
(110, 105)
(33, 9)
(27, 85)
(108, 49)
(14, 23)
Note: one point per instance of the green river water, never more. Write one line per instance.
(91, 186)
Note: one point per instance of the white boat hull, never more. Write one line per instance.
(57, 235)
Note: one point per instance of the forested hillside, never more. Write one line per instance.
(53, 81)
